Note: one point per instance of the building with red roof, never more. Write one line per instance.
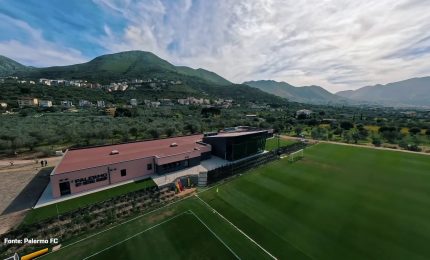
(95, 167)
(86, 169)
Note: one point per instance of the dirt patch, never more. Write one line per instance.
(21, 186)
(186, 192)
(11, 220)
(161, 215)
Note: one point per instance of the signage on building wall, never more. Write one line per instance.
(91, 179)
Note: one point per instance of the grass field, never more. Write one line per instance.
(38, 214)
(170, 240)
(339, 202)
(272, 143)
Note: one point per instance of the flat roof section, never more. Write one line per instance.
(234, 134)
(84, 158)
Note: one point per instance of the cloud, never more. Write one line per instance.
(34, 49)
(337, 44)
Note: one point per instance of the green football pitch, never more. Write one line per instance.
(338, 202)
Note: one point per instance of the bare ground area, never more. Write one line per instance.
(21, 186)
(11, 220)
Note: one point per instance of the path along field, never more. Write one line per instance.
(339, 202)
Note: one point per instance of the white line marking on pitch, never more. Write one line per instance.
(238, 229)
(135, 235)
(125, 222)
(231, 250)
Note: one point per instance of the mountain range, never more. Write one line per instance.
(10, 67)
(307, 94)
(140, 64)
(108, 67)
(413, 92)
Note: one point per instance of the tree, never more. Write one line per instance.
(376, 141)
(298, 130)
(319, 133)
(134, 132)
(347, 136)
(403, 144)
(338, 131)
(312, 122)
(302, 116)
(192, 128)
(414, 130)
(390, 133)
(346, 125)
(428, 133)
(355, 135)
(170, 131)
(362, 132)
(154, 133)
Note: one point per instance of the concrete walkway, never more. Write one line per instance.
(206, 165)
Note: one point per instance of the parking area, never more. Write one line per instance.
(22, 184)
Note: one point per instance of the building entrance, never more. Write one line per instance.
(65, 188)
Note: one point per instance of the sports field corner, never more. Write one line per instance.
(338, 202)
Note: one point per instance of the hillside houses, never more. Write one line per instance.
(133, 102)
(303, 113)
(85, 103)
(100, 103)
(193, 101)
(66, 103)
(28, 102)
(121, 86)
(45, 103)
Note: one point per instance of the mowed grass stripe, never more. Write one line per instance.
(180, 237)
(251, 224)
(101, 240)
(339, 202)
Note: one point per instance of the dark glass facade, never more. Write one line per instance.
(234, 148)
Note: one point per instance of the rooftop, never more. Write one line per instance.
(238, 133)
(79, 159)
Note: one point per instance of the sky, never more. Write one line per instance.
(336, 44)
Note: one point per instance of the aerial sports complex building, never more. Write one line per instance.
(86, 169)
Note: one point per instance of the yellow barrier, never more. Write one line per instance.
(35, 254)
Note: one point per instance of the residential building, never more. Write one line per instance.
(100, 104)
(85, 103)
(67, 103)
(155, 104)
(133, 102)
(305, 112)
(45, 103)
(110, 111)
(28, 102)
